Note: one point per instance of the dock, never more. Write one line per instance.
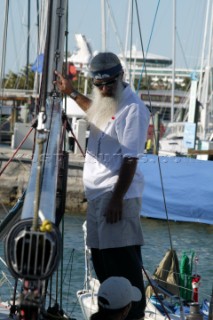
(14, 179)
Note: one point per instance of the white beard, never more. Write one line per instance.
(102, 108)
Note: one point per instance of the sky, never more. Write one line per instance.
(155, 23)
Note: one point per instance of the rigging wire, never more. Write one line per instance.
(183, 53)
(17, 149)
(70, 274)
(158, 160)
(28, 44)
(151, 34)
(131, 40)
(20, 53)
(154, 131)
(3, 56)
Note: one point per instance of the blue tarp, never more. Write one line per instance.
(187, 184)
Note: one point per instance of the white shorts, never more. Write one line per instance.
(126, 232)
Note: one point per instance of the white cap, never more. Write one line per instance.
(118, 293)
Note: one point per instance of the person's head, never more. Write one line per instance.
(115, 297)
(107, 73)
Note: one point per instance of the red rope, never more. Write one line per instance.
(69, 128)
(78, 144)
(21, 143)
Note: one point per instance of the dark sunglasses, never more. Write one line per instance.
(105, 83)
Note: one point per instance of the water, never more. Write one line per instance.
(185, 237)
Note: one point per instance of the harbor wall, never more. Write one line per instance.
(14, 181)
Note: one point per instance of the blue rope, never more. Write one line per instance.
(139, 82)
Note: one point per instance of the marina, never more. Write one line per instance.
(46, 269)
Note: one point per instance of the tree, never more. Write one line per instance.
(19, 81)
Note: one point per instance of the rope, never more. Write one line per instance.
(69, 129)
(78, 144)
(19, 146)
(156, 293)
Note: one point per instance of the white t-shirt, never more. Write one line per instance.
(125, 135)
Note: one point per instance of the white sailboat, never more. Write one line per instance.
(195, 131)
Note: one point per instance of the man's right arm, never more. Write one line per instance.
(65, 86)
(83, 101)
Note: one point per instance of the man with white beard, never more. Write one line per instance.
(113, 181)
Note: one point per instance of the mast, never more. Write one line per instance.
(203, 50)
(36, 79)
(55, 13)
(207, 83)
(34, 244)
(174, 61)
(28, 45)
(103, 25)
(4, 43)
(128, 25)
(4, 48)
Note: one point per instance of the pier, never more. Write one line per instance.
(14, 179)
(16, 94)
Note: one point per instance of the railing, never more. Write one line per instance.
(5, 94)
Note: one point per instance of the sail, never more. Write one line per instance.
(166, 275)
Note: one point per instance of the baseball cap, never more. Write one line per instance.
(105, 65)
(118, 293)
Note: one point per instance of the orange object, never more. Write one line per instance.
(72, 71)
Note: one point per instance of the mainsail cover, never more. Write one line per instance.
(166, 275)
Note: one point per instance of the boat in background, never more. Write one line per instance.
(83, 53)
(193, 131)
(172, 142)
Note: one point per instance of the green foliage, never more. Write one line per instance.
(19, 81)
